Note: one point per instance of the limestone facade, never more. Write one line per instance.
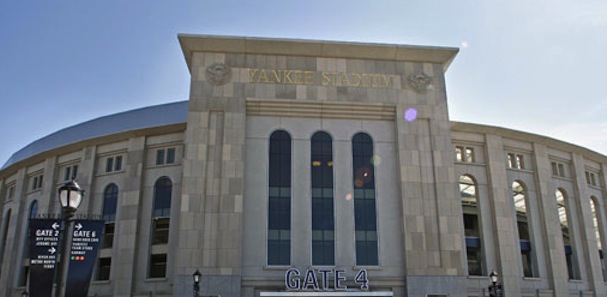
(216, 157)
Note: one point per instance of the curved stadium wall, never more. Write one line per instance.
(250, 191)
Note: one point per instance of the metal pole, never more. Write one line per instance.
(62, 256)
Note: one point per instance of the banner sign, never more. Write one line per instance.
(44, 241)
(86, 238)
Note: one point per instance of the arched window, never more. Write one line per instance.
(365, 214)
(33, 210)
(323, 229)
(472, 227)
(567, 233)
(594, 208)
(33, 213)
(519, 197)
(7, 221)
(161, 219)
(110, 203)
(279, 200)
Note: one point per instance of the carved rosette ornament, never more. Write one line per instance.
(218, 74)
(420, 82)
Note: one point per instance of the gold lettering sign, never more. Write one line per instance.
(325, 78)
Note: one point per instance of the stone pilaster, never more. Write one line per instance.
(506, 242)
(555, 257)
(588, 249)
(213, 182)
(124, 263)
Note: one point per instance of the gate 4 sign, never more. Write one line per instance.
(323, 279)
(44, 238)
(86, 238)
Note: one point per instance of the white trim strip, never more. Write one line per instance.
(328, 294)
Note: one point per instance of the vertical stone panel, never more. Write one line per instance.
(506, 244)
(555, 258)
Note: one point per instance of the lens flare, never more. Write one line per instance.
(349, 196)
(465, 44)
(410, 114)
(375, 160)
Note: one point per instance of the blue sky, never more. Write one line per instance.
(531, 65)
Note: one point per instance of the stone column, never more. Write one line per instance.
(213, 182)
(506, 242)
(555, 255)
(124, 254)
(588, 248)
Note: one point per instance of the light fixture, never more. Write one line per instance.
(493, 277)
(70, 197)
(196, 277)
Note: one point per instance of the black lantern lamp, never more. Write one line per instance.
(495, 289)
(196, 277)
(493, 277)
(70, 196)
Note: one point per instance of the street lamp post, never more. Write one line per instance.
(196, 277)
(495, 289)
(70, 196)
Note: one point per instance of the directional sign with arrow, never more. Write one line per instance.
(44, 238)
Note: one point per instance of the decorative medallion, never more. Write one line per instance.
(219, 74)
(420, 82)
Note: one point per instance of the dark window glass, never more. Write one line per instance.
(159, 157)
(471, 218)
(108, 235)
(323, 237)
(104, 266)
(34, 210)
(109, 164)
(158, 265)
(170, 156)
(162, 197)
(67, 175)
(279, 206)
(365, 214)
(567, 233)
(110, 202)
(7, 221)
(162, 211)
(118, 165)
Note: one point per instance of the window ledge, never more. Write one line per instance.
(478, 277)
(276, 267)
(533, 279)
(156, 280)
(576, 281)
(101, 282)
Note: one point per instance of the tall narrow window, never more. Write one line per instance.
(365, 214)
(33, 213)
(597, 231)
(474, 252)
(323, 227)
(522, 222)
(279, 200)
(567, 233)
(110, 202)
(7, 221)
(160, 225)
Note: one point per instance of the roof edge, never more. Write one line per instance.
(191, 43)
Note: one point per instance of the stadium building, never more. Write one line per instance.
(313, 169)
